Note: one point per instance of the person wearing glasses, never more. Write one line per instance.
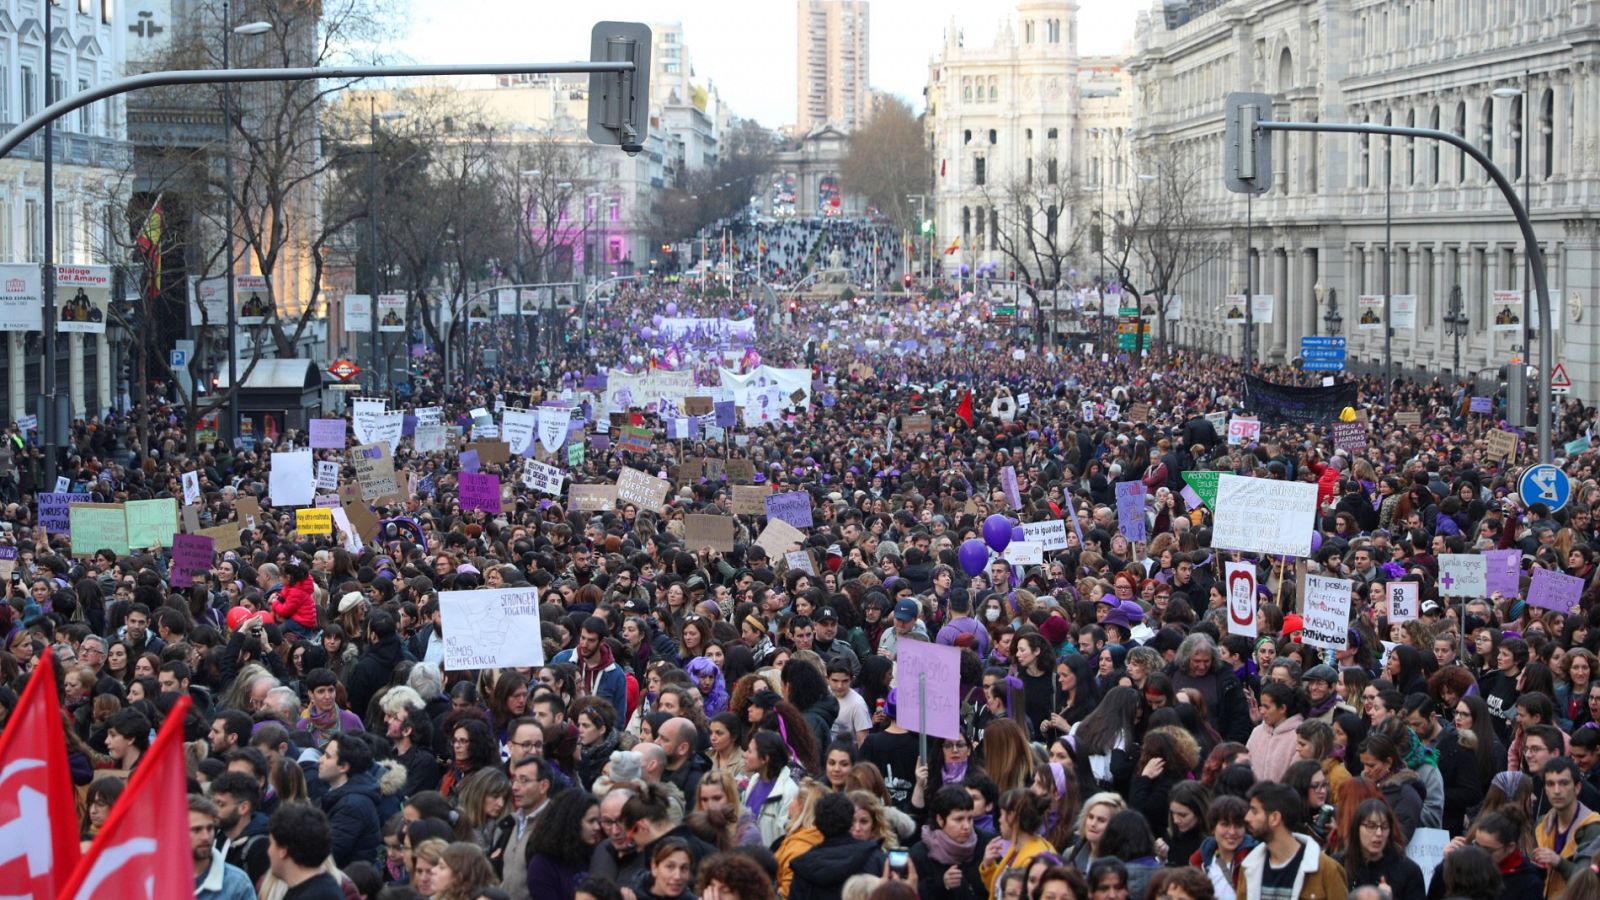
(1499, 836)
(1377, 856)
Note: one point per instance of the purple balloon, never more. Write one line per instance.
(997, 532)
(1017, 534)
(672, 307)
(656, 321)
(647, 333)
(973, 555)
(1316, 542)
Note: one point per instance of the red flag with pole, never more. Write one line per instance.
(38, 812)
(144, 848)
(964, 411)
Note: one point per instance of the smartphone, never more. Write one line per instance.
(900, 863)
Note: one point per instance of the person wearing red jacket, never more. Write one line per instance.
(1327, 478)
(296, 604)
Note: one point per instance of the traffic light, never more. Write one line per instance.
(794, 306)
(908, 278)
(927, 226)
(1247, 148)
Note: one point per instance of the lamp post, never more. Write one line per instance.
(380, 377)
(1332, 321)
(922, 234)
(1455, 323)
(247, 29)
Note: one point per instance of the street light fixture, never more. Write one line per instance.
(1330, 316)
(248, 29)
(1455, 322)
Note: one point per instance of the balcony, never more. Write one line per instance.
(74, 149)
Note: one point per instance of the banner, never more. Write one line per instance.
(505, 301)
(1370, 316)
(1505, 310)
(357, 313)
(478, 311)
(82, 293)
(1276, 404)
(553, 422)
(208, 301)
(392, 313)
(528, 300)
(1403, 311)
(254, 297)
(21, 298)
(516, 429)
(1327, 613)
(1260, 515)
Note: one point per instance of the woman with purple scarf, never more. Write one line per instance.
(952, 846)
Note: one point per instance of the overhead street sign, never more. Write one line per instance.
(1322, 354)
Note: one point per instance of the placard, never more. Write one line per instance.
(392, 313)
(1260, 515)
(749, 500)
(1463, 575)
(642, 490)
(1139, 413)
(82, 294)
(1243, 430)
(1240, 589)
(21, 297)
(327, 475)
(223, 537)
(799, 561)
(592, 497)
(1369, 309)
(1502, 444)
(1426, 848)
(375, 472)
(308, 520)
(489, 629)
(793, 507)
(1502, 572)
(1548, 589)
(711, 531)
(1008, 485)
(248, 511)
(1327, 613)
(292, 482)
(1050, 534)
(697, 406)
(428, 438)
(53, 510)
(542, 478)
(1024, 553)
(740, 471)
(480, 491)
(191, 556)
(191, 488)
(151, 523)
(1405, 603)
(517, 428)
(357, 313)
(634, 439)
(1349, 436)
(1505, 310)
(491, 452)
(98, 526)
(921, 424)
(554, 425)
(777, 537)
(923, 674)
(1411, 419)
(1130, 509)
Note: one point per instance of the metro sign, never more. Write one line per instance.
(344, 370)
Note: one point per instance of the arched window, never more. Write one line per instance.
(966, 221)
(1461, 132)
(1366, 157)
(980, 223)
(966, 91)
(1433, 147)
(1050, 172)
(1050, 135)
(1285, 70)
(993, 136)
(1487, 124)
(966, 136)
(1547, 132)
(994, 92)
(1027, 32)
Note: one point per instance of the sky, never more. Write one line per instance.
(746, 47)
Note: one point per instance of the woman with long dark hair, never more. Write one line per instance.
(1075, 696)
(1187, 822)
(1167, 758)
(1377, 855)
(1105, 743)
(1035, 664)
(561, 845)
(1349, 730)
(1475, 730)
(1311, 784)
(771, 788)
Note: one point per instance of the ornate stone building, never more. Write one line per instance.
(1516, 79)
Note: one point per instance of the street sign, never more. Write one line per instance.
(1547, 484)
(344, 369)
(1322, 354)
(177, 359)
(1560, 382)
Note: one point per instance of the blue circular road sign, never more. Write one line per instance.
(1547, 484)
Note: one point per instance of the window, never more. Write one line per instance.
(1052, 217)
(107, 11)
(8, 247)
(1050, 134)
(30, 92)
(966, 221)
(994, 229)
(1027, 176)
(83, 7)
(1461, 132)
(966, 92)
(1365, 143)
(1487, 124)
(1411, 149)
(980, 171)
(5, 91)
(1027, 134)
(614, 209)
(1515, 122)
(993, 137)
(84, 119)
(62, 226)
(1547, 133)
(981, 214)
(966, 136)
(58, 88)
(1027, 32)
(1050, 171)
(994, 92)
(34, 225)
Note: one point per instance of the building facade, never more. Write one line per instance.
(91, 160)
(1517, 80)
(833, 64)
(1010, 128)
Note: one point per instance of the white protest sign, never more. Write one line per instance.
(1240, 579)
(191, 488)
(544, 479)
(364, 418)
(642, 490)
(352, 538)
(1327, 613)
(1259, 515)
(516, 429)
(799, 561)
(777, 536)
(1426, 849)
(1243, 431)
(1050, 534)
(428, 438)
(327, 475)
(388, 428)
(291, 482)
(553, 422)
(1463, 575)
(491, 628)
(1113, 412)
(1404, 601)
(1024, 553)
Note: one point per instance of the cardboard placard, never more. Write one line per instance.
(777, 536)
(711, 531)
(1408, 419)
(1503, 445)
(642, 490)
(697, 406)
(491, 452)
(98, 526)
(740, 471)
(922, 424)
(223, 537)
(592, 497)
(375, 472)
(1139, 412)
(749, 500)
(248, 511)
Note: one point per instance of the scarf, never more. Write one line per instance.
(590, 675)
(1418, 754)
(955, 772)
(759, 792)
(1328, 702)
(945, 850)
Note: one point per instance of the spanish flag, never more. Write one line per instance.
(148, 245)
(954, 246)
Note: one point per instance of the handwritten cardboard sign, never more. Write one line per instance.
(642, 490)
(1502, 444)
(921, 424)
(697, 406)
(740, 471)
(793, 507)
(777, 537)
(749, 500)
(592, 497)
(97, 526)
(711, 531)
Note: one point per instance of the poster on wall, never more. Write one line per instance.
(392, 313)
(357, 312)
(208, 301)
(82, 293)
(21, 298)
(1370, 312)
(254, 297)
(1505, 310)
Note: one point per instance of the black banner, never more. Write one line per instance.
(1277, 404)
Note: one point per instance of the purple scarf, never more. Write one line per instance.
(759, 792)
(944, 850)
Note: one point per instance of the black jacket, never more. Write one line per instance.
(1463, 783)
(422, 770)
(352, 810)
(372, 671)
(820, 716)
(820, 873)
(1403, 875)
(930, 872)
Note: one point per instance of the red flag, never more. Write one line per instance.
(143, 850)
(38, 813)
(964, 410)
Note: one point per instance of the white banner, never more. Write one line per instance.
(392, 313)
(516, 429)
(544, 479)
(364, 418)
(505, 302)
(428, 438)
(1463, 575)
(388, 428)
(254, 297)
(1241, 593)
(1024, 553)
(357, 312)
(1327, 613)
(1261, 309)
(491, 629)
(82, 294)
(1403, 311)
(1259, 515)
(528, 300)
(208, 301)
(553, 427)
(21, 298)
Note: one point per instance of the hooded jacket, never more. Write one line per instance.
(821, 715)
(1404, 792)
(352, 810)
(820, 873)
(610, 683)
(1272, 749)
(296, 603)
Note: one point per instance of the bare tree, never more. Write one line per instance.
(543, 180)
(1033, 223)
(888, 161)
(1168, 239)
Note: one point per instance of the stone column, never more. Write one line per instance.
(75, 373)
(1280, 303)
(102, 371)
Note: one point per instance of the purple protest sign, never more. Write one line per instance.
(594, 382)
(55, 510)
(191, 556)
(1503, 572)
(1191, 497)
(327, 434)
(1553, 590)
(600, 441)
(469, 461)
(479, 491)
(1008, 483)
(408, 425)
(1481, 405)
(922, 673)
(793, 507)
(726, 412)
(1130, 509)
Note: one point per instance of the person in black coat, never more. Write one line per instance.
(820, 873)
(351, 801)
(1497, 835)
(1377, 854)
(1458, 765)
(951, 849)
(375, 667)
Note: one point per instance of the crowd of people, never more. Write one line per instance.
(727, 724)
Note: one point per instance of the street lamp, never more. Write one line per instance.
(248, 29)
(1455, 323)
(1521, 133)
(379, 375)
(1331, 319)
